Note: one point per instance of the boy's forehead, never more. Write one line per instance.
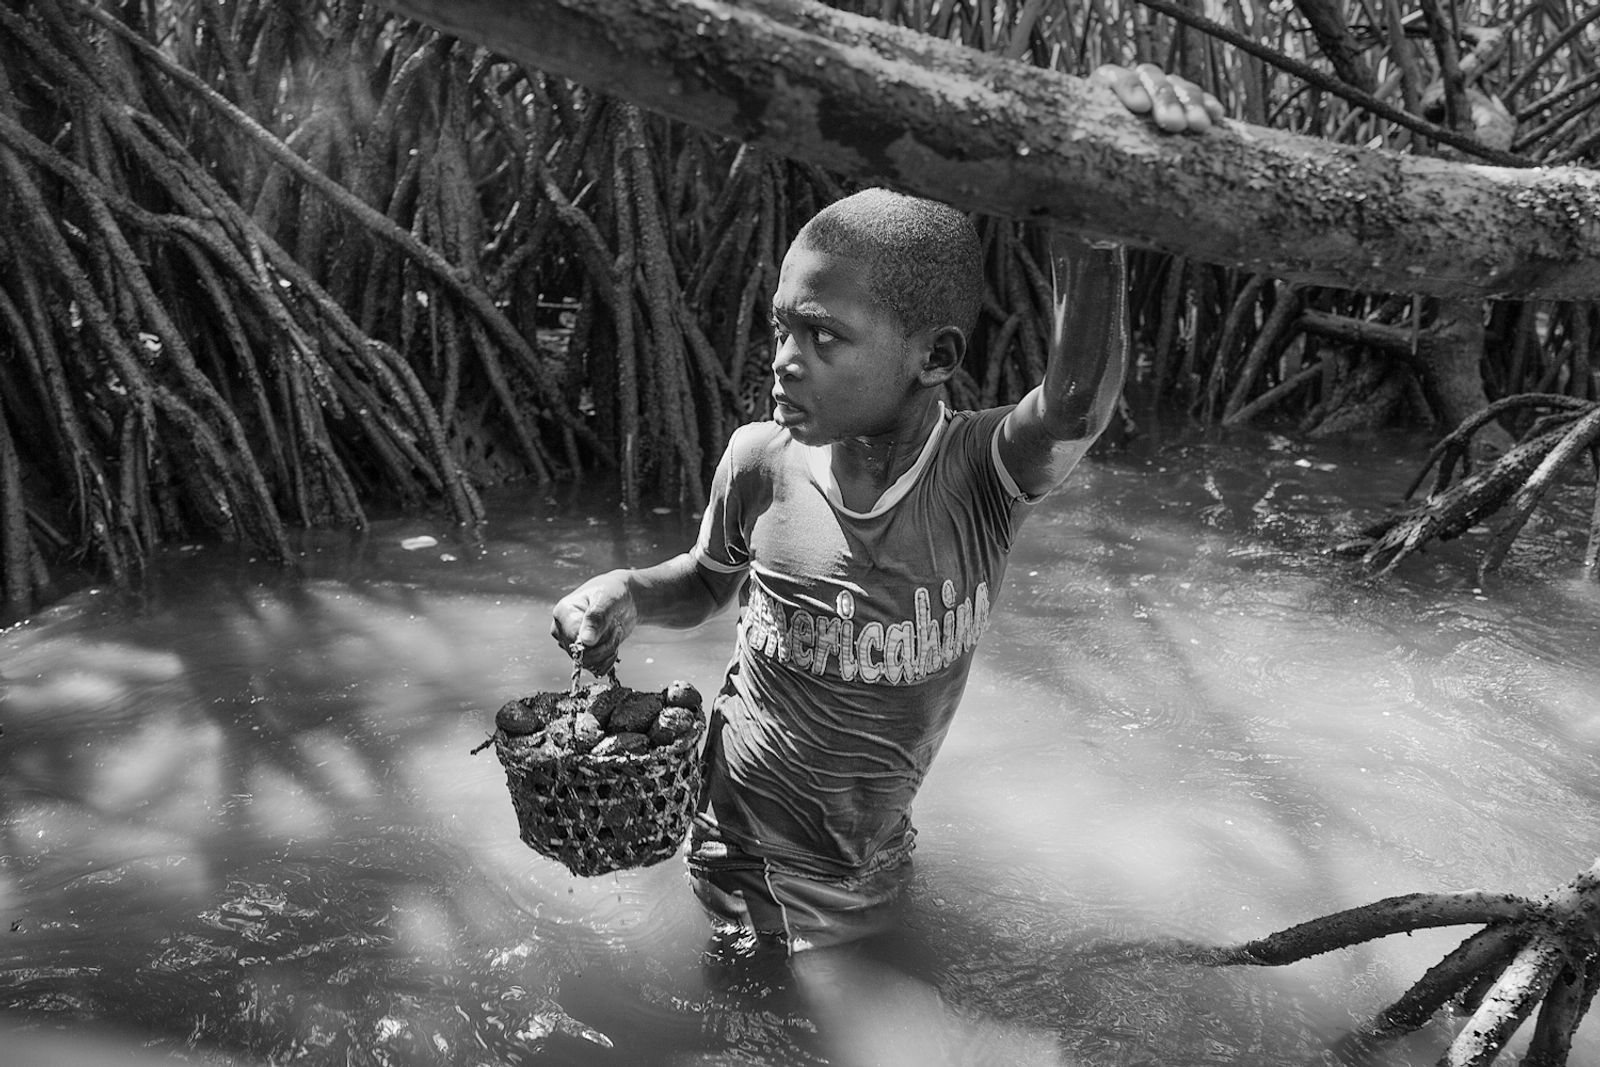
(843, 252)
(812, 281)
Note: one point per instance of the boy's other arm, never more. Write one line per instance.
(602, 612)
(1052, 427)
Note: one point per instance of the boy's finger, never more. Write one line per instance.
(1213, 107)
(560, 630)
(1195, 117)
(591, 630)
(1166, 108)
(1126, 83)
(601, 654)
(566, 619)
(1204, 109)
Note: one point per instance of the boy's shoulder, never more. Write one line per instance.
(758, 435)
(979, 421)
(756, 439)
(759, 449)
(979, 416)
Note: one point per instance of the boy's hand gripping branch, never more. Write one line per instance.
(1176, 105)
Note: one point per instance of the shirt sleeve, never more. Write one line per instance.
(1007, 481)
(723, 545)
(979, 476)
(987, 428)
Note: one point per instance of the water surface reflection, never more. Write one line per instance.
(240, 818)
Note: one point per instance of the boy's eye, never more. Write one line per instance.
(819, 335)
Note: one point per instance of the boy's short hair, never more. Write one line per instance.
(924, 257)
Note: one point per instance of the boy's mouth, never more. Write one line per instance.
(783, 410)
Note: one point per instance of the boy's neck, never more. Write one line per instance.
(865, 467)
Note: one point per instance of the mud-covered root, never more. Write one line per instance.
(1453, 512)
(1533, 953)
(1452, 978)
(1512, 997)
(1514, 483)
(1570, 996)
(1392, 915)
(1577, 440)
(1411, 911)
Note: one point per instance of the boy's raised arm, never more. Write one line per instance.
(602, 612)
(1052, 427)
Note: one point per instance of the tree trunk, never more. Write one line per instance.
(885, 104)
(1451, 369)
(1446, 357)
(1360, 401)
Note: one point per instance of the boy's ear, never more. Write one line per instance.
(946, 348)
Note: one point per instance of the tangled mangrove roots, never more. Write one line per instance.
(1565, 433)
(271, 264)
(1532, 952)
(367, 268)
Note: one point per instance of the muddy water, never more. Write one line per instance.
(241, 823)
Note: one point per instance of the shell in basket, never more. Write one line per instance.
(603, 778)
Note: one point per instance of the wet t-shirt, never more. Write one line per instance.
(855, 635)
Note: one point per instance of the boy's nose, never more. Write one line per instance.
(786, 359)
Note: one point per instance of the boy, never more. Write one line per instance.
(866, 529)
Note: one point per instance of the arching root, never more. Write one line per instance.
(1531, 951)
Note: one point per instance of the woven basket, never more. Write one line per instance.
(598, 814)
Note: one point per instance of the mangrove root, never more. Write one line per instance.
(1514, 482)
(1531, 951)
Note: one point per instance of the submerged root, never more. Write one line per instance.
(1414, 911)
(1514, 483)
(1531, 951)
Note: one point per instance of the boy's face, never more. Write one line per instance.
(843, 364)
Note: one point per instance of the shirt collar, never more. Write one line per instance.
(819, 459)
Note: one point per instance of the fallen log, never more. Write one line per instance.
(885, 104)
